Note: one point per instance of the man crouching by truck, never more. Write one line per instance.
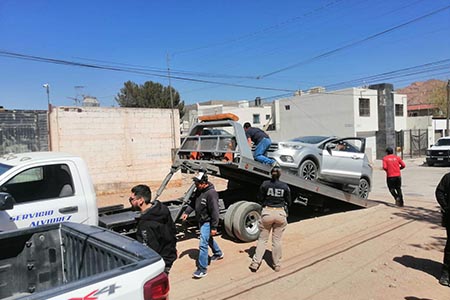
(155, 226)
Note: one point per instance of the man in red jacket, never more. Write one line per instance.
(392, 164)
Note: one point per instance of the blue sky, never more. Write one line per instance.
(247, 49)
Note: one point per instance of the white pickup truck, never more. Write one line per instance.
(44, 254)
(76, 262)
(439, 153)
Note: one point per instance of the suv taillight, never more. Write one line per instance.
(157, 288)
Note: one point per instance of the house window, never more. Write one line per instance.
(256, 119)
(287, 107)
(267, 117)
(399, 110)
(364, 107)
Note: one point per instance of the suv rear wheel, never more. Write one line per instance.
(363, 188)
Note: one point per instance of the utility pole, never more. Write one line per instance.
(171, 105)
(448, 107)
(46, 86)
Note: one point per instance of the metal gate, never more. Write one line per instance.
(413, 142)
(23, 131)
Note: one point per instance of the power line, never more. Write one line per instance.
(410, 71)
(173, 71)
(117, 69)
(371, 37)
(262, 31)
(428, 67)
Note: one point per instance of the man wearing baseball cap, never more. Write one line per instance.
(206, 206)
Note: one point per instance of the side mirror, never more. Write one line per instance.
(329, 147)
(6, 201)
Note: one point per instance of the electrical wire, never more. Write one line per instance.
(262, 31)
(352, 44)
(117, 69)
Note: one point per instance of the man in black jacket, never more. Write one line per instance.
(155, 226)
(206, 206)
(443, 196)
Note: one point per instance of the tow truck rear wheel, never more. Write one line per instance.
(245, 221)
(228, 219)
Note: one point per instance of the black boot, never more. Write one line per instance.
(398, 202)
(444, 280)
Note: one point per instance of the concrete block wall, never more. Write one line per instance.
(121, 146)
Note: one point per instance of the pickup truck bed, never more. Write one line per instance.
(73, 259)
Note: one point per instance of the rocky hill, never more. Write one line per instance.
(419, 92)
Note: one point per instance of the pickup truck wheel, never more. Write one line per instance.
(308, 170)
(363, 188)
(228, 219)
(245, 221)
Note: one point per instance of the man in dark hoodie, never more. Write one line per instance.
(206, 206)
(155, 226)
(443, 198)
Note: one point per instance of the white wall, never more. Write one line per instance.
(316, 114)
(121, 146)
(440, 126)
(400, 122)
(246, 114)
(242, 110)
(369, 123)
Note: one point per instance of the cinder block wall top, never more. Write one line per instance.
(121, 146)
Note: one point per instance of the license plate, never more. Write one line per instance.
(440, 158)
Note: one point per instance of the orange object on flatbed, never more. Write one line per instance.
(219, 117)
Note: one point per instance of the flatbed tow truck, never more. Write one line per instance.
(218, 145)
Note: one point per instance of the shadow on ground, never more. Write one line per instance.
(425, 265)
(267, 257)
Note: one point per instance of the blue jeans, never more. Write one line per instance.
(206, 240)
(260, 150)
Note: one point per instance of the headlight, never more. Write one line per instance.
(428, 152)
(291, 146)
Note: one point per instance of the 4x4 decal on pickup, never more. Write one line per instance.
(110, 289)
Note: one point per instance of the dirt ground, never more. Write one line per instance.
(382, 252)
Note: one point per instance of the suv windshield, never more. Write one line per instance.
(443, 142)
(4, 168)
(310, 139)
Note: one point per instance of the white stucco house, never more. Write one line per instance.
(257, 113)
(376, 113)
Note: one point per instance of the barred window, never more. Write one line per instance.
(399, 110)
(364, 107)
